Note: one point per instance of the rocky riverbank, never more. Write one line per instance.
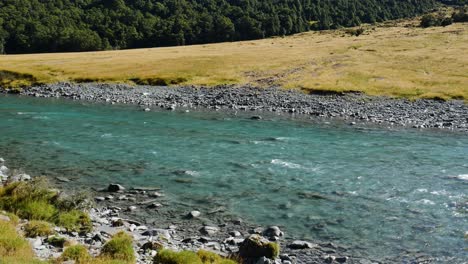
(351, 107)
(135, 211)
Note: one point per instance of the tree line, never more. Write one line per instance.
(30, 26)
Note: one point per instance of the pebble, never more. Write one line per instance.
(299, 244)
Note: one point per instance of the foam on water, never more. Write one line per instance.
(286, 164)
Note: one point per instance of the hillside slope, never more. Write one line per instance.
(393, 59)
(31, 26)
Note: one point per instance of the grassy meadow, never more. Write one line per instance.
(393, 58)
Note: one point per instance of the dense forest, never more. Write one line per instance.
(28, 26)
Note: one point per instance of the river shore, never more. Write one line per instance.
(136, 210)
(354, 108)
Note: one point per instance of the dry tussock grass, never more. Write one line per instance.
(395, 59)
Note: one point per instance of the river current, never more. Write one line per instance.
(381, 191)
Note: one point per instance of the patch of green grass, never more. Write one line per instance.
(119, 248)
(75, 220)
(78, 253)
(189, 257)
(208, 257)
(37, 228)
(166, 256)
(34, 200)
(37, 210)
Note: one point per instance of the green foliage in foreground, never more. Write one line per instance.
(78, 253)
(189, 257)
(35, 200)
(68, 25)
(14, 249)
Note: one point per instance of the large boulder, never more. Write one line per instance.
(256, 246)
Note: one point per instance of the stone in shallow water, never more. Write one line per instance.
(194, 214)
(272, 231)
(62, 179)
(115, 187)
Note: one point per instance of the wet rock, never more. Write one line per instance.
(20, 177)
(62, 179)
(194, 214)
(118, 222)
(155, 194)
(5, 218)
(273, 231)
(209, 230)
(341, 259)
(235, 233)
(152, 245)
(131, 208)
(256, 246)
(154, 205)
(115, 188)
(299, 244)
(162, 233)
(99, 199)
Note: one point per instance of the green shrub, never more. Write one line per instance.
(34, 200)
(30, 200)
(119, 247)
(171, 257)
(37, 228)
(78, 253)
(75, 220)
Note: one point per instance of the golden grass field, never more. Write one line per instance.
(394, 58)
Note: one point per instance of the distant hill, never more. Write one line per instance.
(29, 26)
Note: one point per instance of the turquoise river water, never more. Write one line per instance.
(388, 192)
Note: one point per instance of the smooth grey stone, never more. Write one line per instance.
(209, 230)
(299, 244)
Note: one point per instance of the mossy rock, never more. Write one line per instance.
(56, 241)
(256, 246)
